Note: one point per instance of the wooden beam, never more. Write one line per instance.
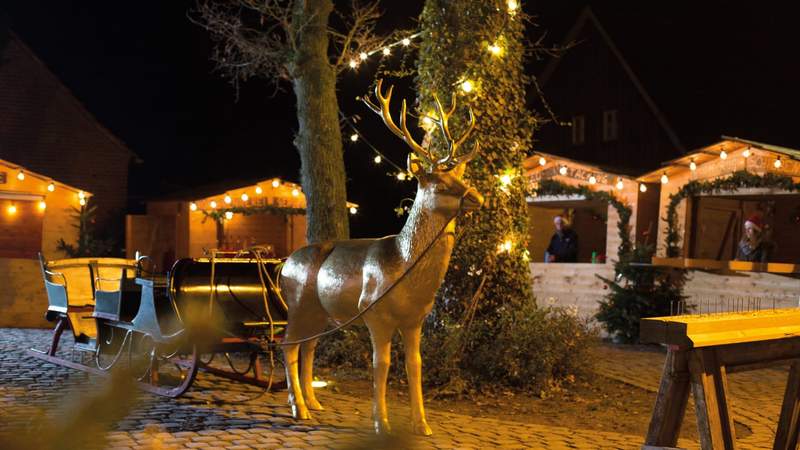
(787, 432)
(709, 387)
(670, 406)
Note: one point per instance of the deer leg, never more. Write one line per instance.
(296, 400)
(411, 341)
(381, 358)
(307, 374)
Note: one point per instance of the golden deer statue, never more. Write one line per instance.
(399, 274)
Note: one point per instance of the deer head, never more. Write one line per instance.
(440, 177)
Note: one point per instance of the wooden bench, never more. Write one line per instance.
(74, 284)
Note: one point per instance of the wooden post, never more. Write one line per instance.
(670, 406)
(787, 432)
(710, 387)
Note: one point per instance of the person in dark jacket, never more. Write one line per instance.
(754, 247)
(564, 243)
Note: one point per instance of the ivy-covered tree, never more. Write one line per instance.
(474, 49)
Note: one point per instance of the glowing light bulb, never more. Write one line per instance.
(563, 170)
(276, 182)
(386, 51)
(723, 154)
(467, 86)
(193, 206)
(401, 176)
(377, 159)
(245, 197)
(353, 210)
(664, 178)
(227, 199)
(778, 163)
(259, 191)
(42, 205)
(81, 195)
(642, 187)
(354, 137)
(620, 185)
(692, 165)
(353, 64)
(513, 5)
(20, 175)
(363, 56)
(229, 215)
(495, 49)
(746, 153)
(295, 192)
(318, 384)
(592, 179)
(82, 202)
(427, 122)
(213, 204)
(12, 209)
(505, 246)
(542, 161)
(406, 42)
(51, 187)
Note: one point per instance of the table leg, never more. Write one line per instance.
(710, 387)
(787, 432)
(670, 406)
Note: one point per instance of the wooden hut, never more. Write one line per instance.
(268, 213)
(36, 211)
(707, 195)
(590, 200)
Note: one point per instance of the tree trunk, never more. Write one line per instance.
(319, 138)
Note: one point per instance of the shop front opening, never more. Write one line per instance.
(587, 218)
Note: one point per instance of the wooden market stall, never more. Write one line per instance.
(593, 199)
(707, 195)
(268, 213)
(35, 212)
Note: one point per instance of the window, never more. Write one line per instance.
(578, 130)
(588, 219)
(610, 125)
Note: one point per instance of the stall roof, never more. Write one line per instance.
(532, 163)
(15, 168)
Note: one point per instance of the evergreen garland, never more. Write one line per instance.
(554, 187)
(738, 180)
(219, 214)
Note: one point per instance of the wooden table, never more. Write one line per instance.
(702, 350)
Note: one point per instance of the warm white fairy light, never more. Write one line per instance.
(495, 49)
(505, 179)
(245, 197)
(319, 384)
(562, 170)
(723, 154)
(213, 204)
(51, 187)
(81, 195)
(42, 205)
(82, 202)
(401, 176)
(377, 159)
(513, 5)
(12, 209)
(467, 86)
(592, 179)
(664, 178)
(295, 192)
(227, 199)
(692, 165)
(542, 161)
(20, 175)
(276, 182)
(746, 153)
(406, 42)
(505, 246)
(354, 137)
(642, 187)
(353, 210)
(386, 51)
(363, 56)
(620, 185)
(259, 191)
(778, 163)
(193, 206)
(229, 215)
(353, 64)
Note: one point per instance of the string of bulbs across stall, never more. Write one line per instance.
(49, 186)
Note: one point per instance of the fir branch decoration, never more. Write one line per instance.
(219, 214)
(738, 180)
(554, 187)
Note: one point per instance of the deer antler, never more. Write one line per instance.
(386, 114)
(453, 145)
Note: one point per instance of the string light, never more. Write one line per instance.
(401, 176)
(505, 246)
(406, 42)
(276, 182)
(213, 204)
(377, 159)
(353, 210)
(542, 161)
(51, 187)
(664, 178)
(81, 195)
(563, 170)
(354, 137)
(592, 180)
(21, 175)
(42, 205)
(193, 206)
(12, 209)
(778, 163)
(245, 197)
(295, 192)
(642, 187)
(386, 51)
(228, 199)
(82, 202)
(495, 49)
(723, 154)
(746, 152)
(229, 215)
(620, 185)
(513, 5)
(692, 165)
(259, 191)
(353, 64)
(467, 86)
(363, 56)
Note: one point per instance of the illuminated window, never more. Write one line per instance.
(610, 125)
(578, 130)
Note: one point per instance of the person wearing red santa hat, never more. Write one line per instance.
(753, 246)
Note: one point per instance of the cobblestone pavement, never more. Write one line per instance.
(756, 395)
(217, 413)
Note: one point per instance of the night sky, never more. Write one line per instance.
(143, 69)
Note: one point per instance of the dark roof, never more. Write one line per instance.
(711, 68)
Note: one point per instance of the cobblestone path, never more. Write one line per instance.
(217, 413)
